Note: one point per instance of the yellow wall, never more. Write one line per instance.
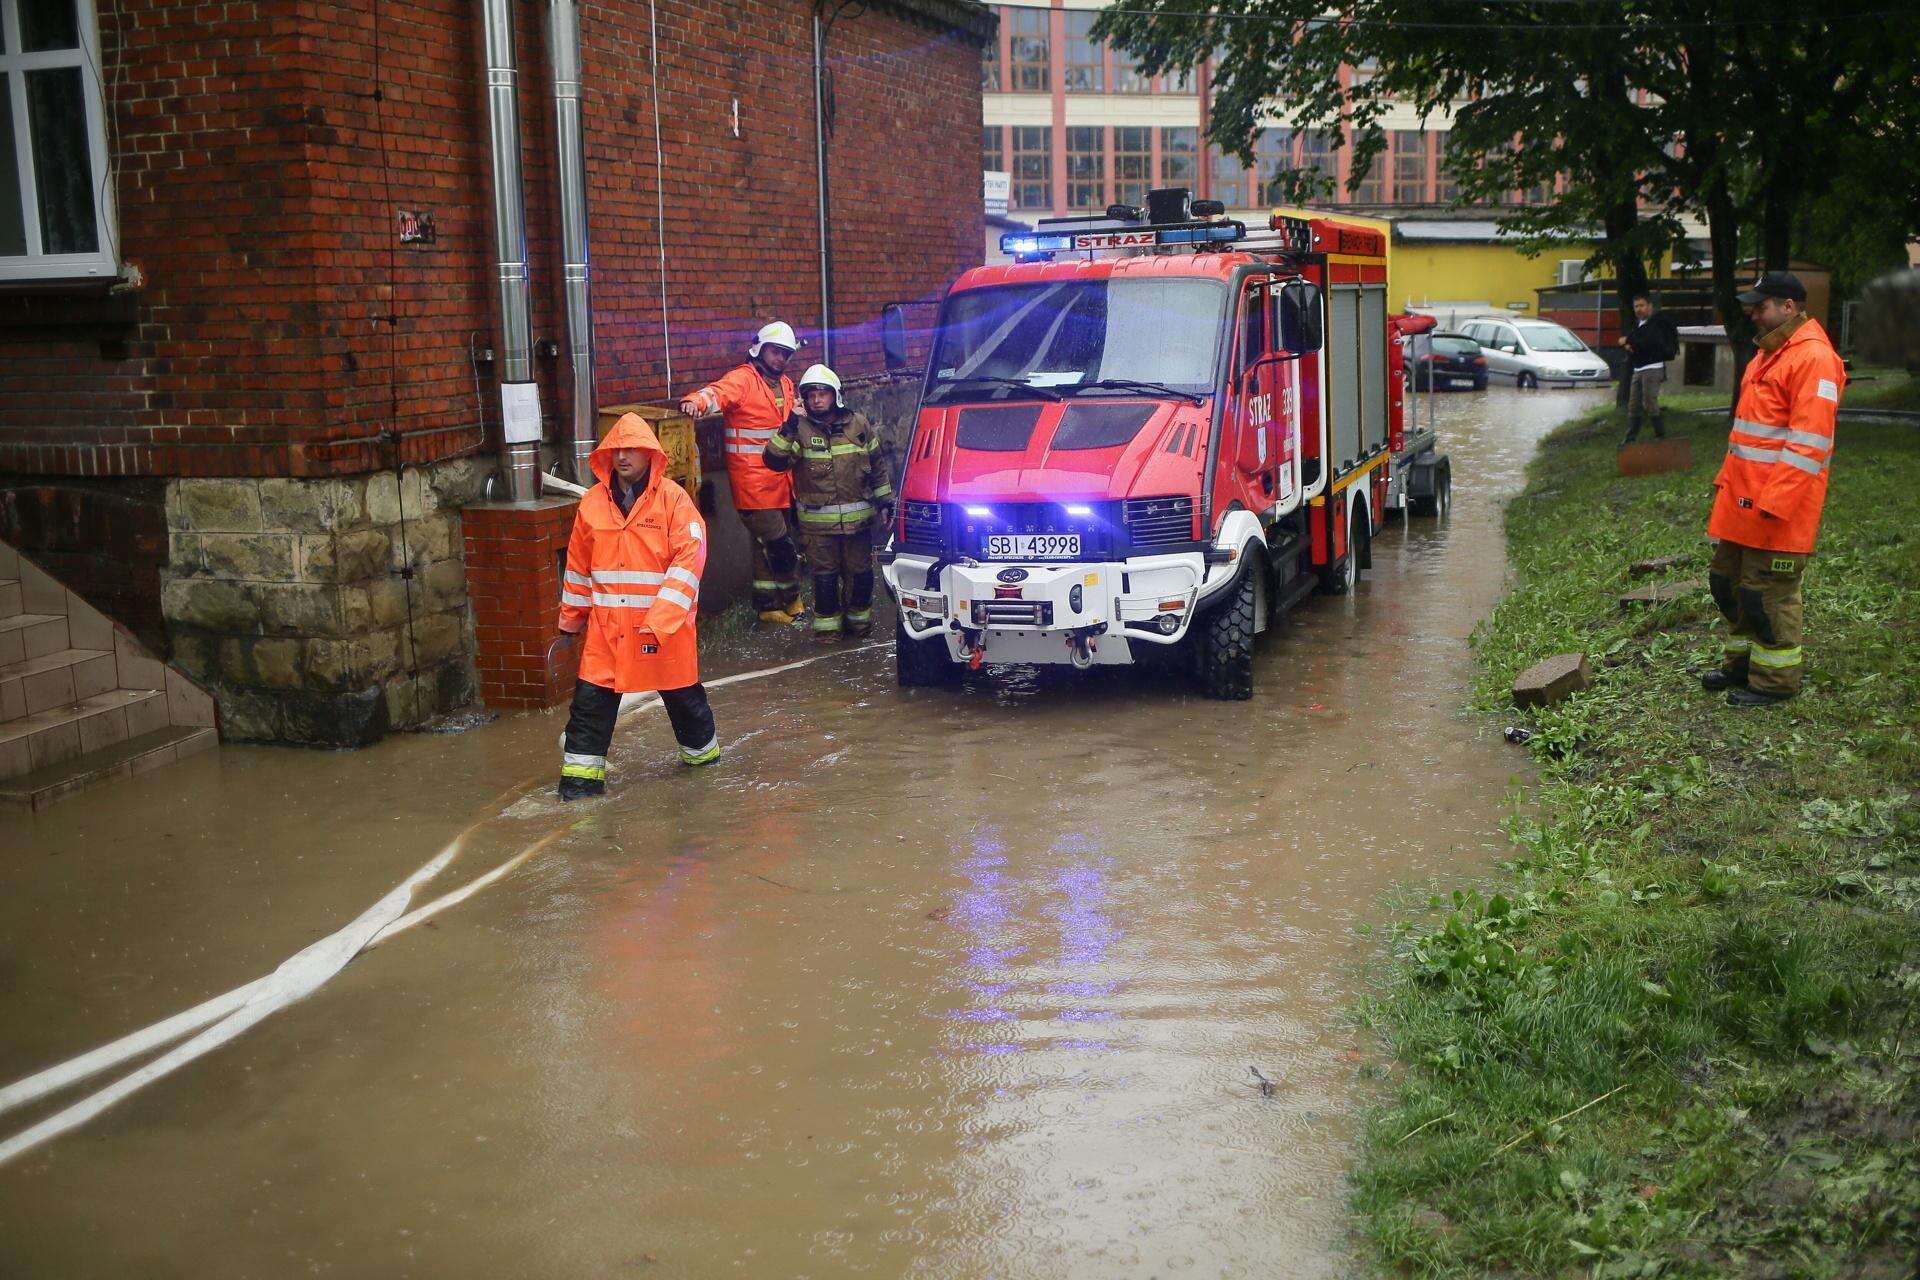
(1493, 273)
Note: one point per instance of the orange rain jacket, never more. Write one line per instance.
(633, 580)
(1774, 480)
(753, 412)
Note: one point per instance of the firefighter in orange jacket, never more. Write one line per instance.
(633, 585)
(1766, 513)
(755, 399)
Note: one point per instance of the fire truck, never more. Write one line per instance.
(1151, 430)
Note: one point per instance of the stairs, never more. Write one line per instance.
(80, 701)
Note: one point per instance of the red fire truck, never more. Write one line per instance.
(1150, 429)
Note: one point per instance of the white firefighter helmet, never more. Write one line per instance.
(779, 333)
(820, 376)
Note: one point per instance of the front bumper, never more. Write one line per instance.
(1077, 613)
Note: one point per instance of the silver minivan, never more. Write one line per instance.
(1535, 353)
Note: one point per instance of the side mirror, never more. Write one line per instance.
(1300, 324)
(893, 337)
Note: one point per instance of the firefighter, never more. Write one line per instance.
(841, 480)
(633, 584)
(1771, 487)
(754, 399)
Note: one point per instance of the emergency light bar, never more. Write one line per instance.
(1030, 244)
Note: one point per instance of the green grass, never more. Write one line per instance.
(1676, 1036)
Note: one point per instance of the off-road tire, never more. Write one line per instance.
(1224, 643)
(1341, 577)
(1438, 503)
(922, 664)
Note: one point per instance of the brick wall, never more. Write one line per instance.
(264, 147)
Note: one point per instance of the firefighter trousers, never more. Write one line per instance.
(842, 565)
(1759, 592)
(776, 561)
(590, 728)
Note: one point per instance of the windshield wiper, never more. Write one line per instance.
(1017, 384)
(1149, 388)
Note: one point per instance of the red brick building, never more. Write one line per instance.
(240, 409)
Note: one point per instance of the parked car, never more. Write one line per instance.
(1535, 353)
(1440, 360)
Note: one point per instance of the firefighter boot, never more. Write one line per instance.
(778, 618)
(826, 607)
(1741, 696)
(579, 788)
(860, 604)
(1716, 679)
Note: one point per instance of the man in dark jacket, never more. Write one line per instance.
(1650, 344)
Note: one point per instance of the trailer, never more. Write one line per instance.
(1152, 430)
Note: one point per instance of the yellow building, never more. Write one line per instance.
(1465, 259)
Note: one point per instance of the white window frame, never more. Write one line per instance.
(35, 266)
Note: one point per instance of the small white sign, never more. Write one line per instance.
(1828, 391)
(520, 412)
(997, 187)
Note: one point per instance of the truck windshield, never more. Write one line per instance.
(1063, 334)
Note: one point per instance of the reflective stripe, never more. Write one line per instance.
(838, 509)
(575, 757)
(859, 615)
(1810, 438)
(628, 577)
(780, 444)
(575, 599)
(752, 450)
(1765, 657)
(766, 584)
(677, 596)
(578, 579)
(830, 623)
(882, 491)
(1754, 454)
(608, 600)
(592, 772)
(1739, 646)
(762, 434)
(836, 451)
(702, 755)
(684, 575)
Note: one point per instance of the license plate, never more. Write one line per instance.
(1033, 546)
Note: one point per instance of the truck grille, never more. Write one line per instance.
(1159, 522)
(923, 528)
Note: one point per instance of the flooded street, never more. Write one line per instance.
(924, 984)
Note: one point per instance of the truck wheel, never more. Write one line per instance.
(922, 664)
(1340, 579)
(1225, 643)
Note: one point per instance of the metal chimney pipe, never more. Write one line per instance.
(563, 52)
(820, 168)
(519, 394)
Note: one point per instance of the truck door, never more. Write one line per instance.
(1265, 456)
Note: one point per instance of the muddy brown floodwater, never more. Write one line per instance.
(915, 984)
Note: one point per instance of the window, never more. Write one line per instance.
(1229, 179)
(1409, 166)
(1316, 154)
(1272, 161)
(1082, 64)
(992, 154)
(1127, 77)
(1179, 157)
(55, 220)
(1443, 187)
(1032, 172)
(1132, 164)
(1086, 168)
(1027, 53)
(1372, 179)
(990, 67)
(1177, 81)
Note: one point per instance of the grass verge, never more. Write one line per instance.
(1677, 1036)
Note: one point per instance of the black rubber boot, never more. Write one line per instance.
(1716, 680)
(1659, 421)
(1745, 697)
(1633, 429)
(580, 788)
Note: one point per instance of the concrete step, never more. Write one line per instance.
(59, 734)
(41, 787)
(66, 675)
(10, 598)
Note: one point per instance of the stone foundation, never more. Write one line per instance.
(323, 612)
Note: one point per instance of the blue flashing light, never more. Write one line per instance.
(980, 513)
(1079, 509)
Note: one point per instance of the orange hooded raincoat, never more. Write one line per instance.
(1773, 484)
(633, 580)
(752, 412)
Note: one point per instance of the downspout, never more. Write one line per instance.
(519, 394)
(820, 169)
(563, 53)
